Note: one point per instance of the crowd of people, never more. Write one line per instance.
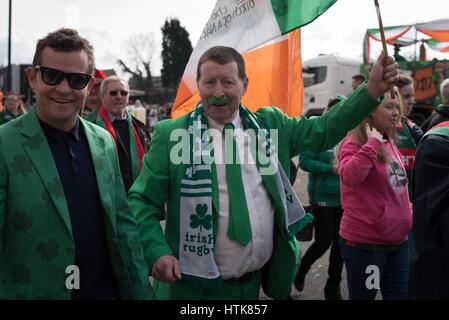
(379, 187)
(84, 185)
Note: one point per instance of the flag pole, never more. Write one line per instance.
(384, 43)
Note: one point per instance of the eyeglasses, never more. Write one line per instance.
(115, 92)
(53, 77)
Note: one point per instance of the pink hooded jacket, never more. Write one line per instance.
(375, 200)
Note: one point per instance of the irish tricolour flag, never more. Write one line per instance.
(264, 32)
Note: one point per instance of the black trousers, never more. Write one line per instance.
(326, 225)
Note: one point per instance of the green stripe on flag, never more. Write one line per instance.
(293, 14)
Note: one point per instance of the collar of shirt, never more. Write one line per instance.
(237, 122)
(56, 133)
(112, 117)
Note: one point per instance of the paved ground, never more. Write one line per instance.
(317, 276)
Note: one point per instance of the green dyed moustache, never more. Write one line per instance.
(212, 100)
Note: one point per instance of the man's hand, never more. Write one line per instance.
(383, 73)
(166, 269)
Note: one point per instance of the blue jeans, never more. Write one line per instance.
(393, 271)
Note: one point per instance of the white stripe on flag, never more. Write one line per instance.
(241, 29)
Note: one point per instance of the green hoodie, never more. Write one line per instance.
(327, 185)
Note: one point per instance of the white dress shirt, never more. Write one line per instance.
(112, 117)
(232, 259)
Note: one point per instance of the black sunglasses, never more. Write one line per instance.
(115, 92)
(53, 77)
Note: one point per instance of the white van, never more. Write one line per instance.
(324, 77)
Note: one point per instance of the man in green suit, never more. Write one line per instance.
(66, 231)
(230, 224)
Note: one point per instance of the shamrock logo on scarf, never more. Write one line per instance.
(201, 218)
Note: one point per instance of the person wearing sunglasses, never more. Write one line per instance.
(130, 135)
(13, 108)
(66, 231)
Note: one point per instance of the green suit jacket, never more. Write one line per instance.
(160, 181)
(36, 242)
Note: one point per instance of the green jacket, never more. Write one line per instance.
(323, 186)
(160, 180)
(36, 242)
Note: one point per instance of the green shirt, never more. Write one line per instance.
(407, 147)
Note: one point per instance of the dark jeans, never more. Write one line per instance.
(393, 273)
(326, 223)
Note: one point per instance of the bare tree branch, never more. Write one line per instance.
(125, 68)
(140, 50)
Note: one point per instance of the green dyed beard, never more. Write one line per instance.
(212, 100)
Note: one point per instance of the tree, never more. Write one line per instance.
(140, 49)
(176, 50)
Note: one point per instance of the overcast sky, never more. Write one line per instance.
(109, 23)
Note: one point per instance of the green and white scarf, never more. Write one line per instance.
(196, 246)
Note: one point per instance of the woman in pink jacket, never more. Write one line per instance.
(377, 211)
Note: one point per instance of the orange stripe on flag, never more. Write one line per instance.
(296, 85)
(440, 35)
(275, 79)
(185, 101)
